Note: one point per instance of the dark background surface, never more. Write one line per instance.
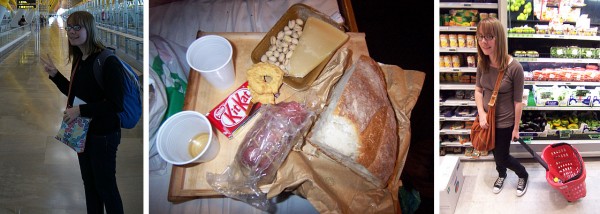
(401, 33)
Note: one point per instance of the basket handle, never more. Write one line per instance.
(578, 159)
(535, 155)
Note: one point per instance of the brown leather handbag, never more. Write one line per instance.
(483, 139)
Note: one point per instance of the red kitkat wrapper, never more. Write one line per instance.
(234, 111)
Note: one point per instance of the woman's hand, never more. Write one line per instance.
(515, 134)
(49, 65)
(70, 114)
(483, 120)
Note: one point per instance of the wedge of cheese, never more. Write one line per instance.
(319, 39)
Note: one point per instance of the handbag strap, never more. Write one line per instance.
(496, 88)
(71, 82)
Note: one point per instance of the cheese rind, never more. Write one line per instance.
(319, 40)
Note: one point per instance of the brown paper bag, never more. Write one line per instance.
(329, 186)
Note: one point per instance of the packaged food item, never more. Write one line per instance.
(447, 61)
(494, 15)
(442, 64)
(542, 29)
(471, 41)
(455, 61)
(453, 40)
(471, 61)
(573, 52)
(534, 54)
(233, 111)
(462, 40)
(483, 16)
(444, 40)
(558, 52)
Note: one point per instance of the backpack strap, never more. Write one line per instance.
(98, 63)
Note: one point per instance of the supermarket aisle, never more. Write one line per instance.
(477, 195)
(39, 174)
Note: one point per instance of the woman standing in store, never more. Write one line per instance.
(98, 161)
(493, 57)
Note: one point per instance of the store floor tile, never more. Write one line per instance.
(477, 196)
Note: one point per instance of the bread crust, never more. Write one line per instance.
(365, 104)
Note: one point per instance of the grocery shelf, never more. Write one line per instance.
(558, 60)
(457, 86)
(462, 157)
(562, 108)
(461, 70)
(569, 141)
(455, 144)
(457, 131)
(457, 102)
(562, 83)
(550, 36)
(457, 29)
(458, 50)
(455, 118)
(469, 5)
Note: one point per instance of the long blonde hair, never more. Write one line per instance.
(93, 43)
(493, 26)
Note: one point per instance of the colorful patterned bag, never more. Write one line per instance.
(74, 134)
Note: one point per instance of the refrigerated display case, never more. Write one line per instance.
(563, 80)
(458, 54)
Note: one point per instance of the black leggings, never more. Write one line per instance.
(502, 156)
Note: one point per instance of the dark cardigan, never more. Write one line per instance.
(101, 105)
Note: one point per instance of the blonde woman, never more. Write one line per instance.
(493, 57)
(98, 161)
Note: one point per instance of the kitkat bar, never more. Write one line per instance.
(233, 111)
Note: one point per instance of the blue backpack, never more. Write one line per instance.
(132, 99)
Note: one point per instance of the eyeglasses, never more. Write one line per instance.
(486, 37)
(74, 27)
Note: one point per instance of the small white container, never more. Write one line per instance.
(212, 56)
(174, 135)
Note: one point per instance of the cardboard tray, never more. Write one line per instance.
(296, 11)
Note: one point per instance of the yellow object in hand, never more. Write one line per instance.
(556, 180)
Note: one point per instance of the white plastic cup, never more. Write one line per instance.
(174, 135)
(211, 55)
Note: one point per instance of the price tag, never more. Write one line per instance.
(464, 104)
(456, 69)
(561, 36)
(442, 119)
(473, 28)
(452, 49)
(467, 5)
(546, 36)
(443, 28)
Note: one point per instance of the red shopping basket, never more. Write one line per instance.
(565, 170)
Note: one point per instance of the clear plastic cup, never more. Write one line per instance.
(211, 55)
(174, 135)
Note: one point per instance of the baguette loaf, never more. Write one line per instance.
(358, 127)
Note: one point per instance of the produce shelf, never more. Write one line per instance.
(562, 83)
(557, 60)
(469, 5)
(457, 29)
(550, 36)
(562, 108)
(457, 70)
(458, 50)
(457, 86)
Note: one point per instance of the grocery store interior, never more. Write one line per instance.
(40, 174)
(558, 45)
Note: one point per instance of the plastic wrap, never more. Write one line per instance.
(261, 153)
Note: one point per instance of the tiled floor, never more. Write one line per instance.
(37, 173)
(477, 196)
